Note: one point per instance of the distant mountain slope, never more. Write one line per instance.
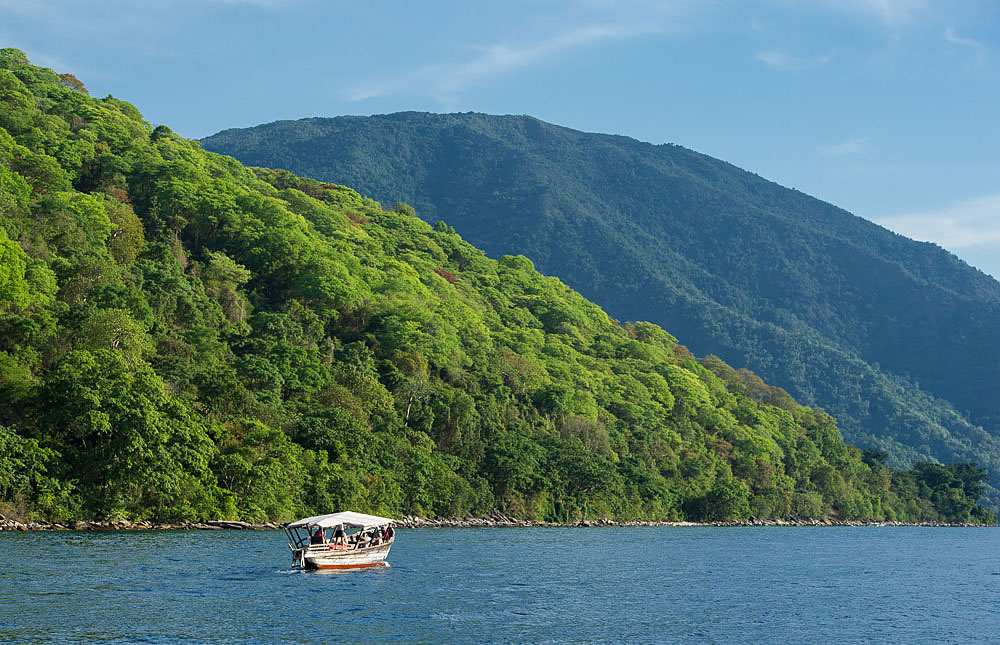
(895, 338)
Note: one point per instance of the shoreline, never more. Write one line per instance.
(496, 520)
(505, 522)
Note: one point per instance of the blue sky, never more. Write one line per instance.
(887, 108)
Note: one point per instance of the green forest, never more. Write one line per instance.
(186, 338)
(894, 338)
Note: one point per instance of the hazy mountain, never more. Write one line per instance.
(895, 338)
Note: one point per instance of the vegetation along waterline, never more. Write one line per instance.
(411, 522)
(185, 339)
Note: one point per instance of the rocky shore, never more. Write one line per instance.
(485, 522)
(495, 519)
(125, 525)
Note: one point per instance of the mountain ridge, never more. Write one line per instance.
(733, 264)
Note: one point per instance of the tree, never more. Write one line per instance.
(73, 83)
(115, 329)
(404, 209)
(223, 278)
(14, 289)
(130, 446)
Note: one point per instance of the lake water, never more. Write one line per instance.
(531, 585)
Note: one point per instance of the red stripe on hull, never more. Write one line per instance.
(311, 565)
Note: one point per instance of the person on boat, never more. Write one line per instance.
(389, 533)
(317, 537)
(338, 534)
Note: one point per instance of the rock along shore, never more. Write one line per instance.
(495, 519)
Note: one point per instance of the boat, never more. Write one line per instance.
(325, 541)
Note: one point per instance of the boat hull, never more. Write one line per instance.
(330, 557)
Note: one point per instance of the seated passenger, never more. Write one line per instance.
(317, 537)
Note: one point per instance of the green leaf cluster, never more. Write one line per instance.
(182, 337)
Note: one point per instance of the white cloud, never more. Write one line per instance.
(32, 9)
(45, 60)
(975, 45)
(969, 223)
(892, 13)
(22, 7)
(851, 147)
(787, 63)
(266, 4)
(949, 35)
(450, 78)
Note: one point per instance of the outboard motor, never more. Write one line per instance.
(299, 558)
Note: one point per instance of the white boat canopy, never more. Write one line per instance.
(347, 518)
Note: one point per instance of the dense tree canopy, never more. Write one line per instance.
(182, 337)
(894, 338)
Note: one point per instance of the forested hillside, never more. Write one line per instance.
(185, 338)
(894, 338)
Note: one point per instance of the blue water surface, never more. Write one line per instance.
(524, 585)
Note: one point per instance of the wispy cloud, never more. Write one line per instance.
(892, 13)
(975, 45)
(949, 35)
(52, 62)
(24, 7)
(966, 224)
(784, 62)
(450, 78)
(851, 147)
(266, 4)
